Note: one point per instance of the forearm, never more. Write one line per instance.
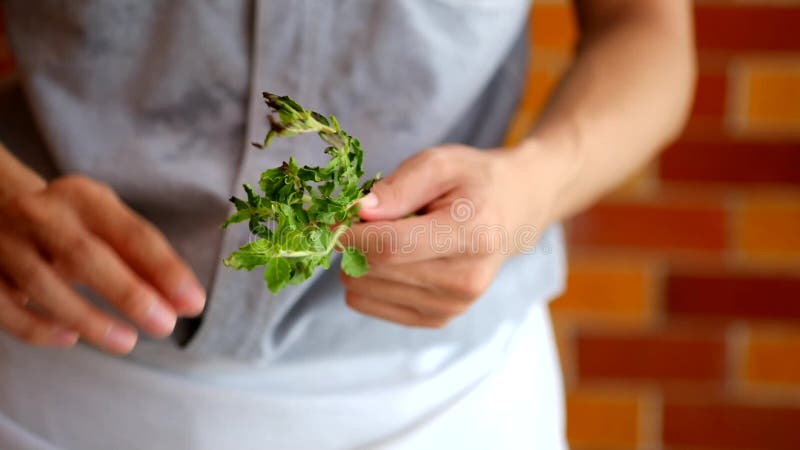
(16, 177)
(625, 97)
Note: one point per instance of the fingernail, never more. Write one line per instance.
(64, 337)
(369, 201)
(160, 319)
(190, 298)
(120, 339)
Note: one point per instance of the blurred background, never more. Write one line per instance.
(680, 328)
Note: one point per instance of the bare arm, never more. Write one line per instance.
(626, 95)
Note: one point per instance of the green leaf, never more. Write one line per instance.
(250, 256)
(238, 216)
(354, 263)
(292, 214)
(239, 203)
(277, 274)
(253, 199)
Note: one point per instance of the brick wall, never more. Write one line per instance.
(680, 328)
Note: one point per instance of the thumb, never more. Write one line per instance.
(417, 181)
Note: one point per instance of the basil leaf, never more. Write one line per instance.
(354, 263)
(291, 216)
(277, 274)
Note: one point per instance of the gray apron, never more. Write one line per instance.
(160, 100)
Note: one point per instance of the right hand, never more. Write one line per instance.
(77, 230)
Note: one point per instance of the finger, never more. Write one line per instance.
(30, 273)
(407, 296)
(408, 240)
(429, 274)
(29, 327)
(391, 312)
(459, 277)
(416, 182)
(17, 296)
(139, 244)
(81, 257)
(86, 259)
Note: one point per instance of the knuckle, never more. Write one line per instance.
(76, 320)
(138, 243)
(350, 283)
(436, 323)
(382, 256)
(16, 295)
(71, 183)
(94, 327)
(85, 321)
(30, 275)
(349, 237)
(387, 189)
(387, 251)
(441, 323)
(172, 274)
(133, 300)
(13, 205)
(21, 331)
(429, 155)
(472, 285)
(353, 301)
(79, 248)
(474, 289)
(102, 188)
(78, 186)
(376, 240)
(31, 334)
(435, 160)
(24, 207)
(141, 229)
(452, 309)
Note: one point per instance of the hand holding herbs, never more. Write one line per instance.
(301, 212)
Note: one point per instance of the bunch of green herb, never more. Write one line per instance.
(301, 212)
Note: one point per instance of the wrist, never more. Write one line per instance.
(549, 167)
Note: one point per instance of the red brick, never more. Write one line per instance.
(705, 129)
(651, 226)
(611, 292)
(711, 92)
(765, 360)
(734, 296)
(730, 426)
(598, 419)
(772, 105)
(668, 357)
(732, 162)
(769, 227)
(748, 27)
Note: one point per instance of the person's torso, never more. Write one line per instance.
(160, 100)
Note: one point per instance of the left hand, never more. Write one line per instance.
(474, 209)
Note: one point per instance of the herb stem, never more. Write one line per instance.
(303, 211)
(302, 254)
